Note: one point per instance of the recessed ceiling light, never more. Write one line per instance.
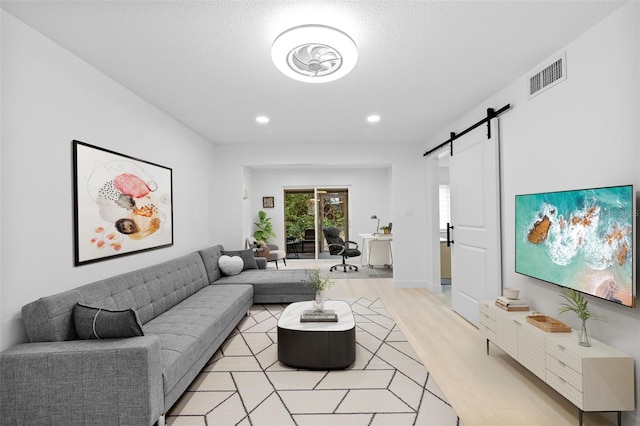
(314, 53)
(373, 118)
(262, 119)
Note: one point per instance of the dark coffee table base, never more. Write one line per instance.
(317, 350)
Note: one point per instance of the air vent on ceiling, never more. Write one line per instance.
(549, 76)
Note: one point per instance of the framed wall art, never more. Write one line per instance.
(267, 202)
(122, 205)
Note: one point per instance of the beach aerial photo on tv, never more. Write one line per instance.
(580, 239)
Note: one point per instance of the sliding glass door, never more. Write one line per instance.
(332, 213)
(308, 212)
(299, 221)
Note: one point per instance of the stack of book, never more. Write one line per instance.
(328, 315)
(512, 304)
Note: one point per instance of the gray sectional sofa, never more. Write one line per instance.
(186, 309)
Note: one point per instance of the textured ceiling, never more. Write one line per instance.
(421, 64)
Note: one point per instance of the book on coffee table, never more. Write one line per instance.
(309, 315)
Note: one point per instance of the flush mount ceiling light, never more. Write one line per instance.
(314, 53)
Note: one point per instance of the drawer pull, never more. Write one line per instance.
(562, 348)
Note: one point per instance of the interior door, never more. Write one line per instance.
(475, 215)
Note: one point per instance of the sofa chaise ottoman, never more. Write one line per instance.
(269, 286)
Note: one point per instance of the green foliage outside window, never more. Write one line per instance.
(298, 214)
(333, 214)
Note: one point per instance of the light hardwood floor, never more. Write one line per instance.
(483, 390)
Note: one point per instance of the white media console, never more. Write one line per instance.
(596, 378)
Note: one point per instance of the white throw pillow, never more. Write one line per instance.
(230, 265)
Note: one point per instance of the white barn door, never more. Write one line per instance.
(475, 214)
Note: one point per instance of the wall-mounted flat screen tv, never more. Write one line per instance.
(579, 239)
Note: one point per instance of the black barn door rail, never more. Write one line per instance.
(491, 113)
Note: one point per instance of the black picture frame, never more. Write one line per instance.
(122, 205)
(268, 202)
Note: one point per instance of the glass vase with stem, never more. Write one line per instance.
(575, 303)
(583, 336)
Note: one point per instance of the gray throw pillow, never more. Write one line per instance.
(247, 257)
(97, 323)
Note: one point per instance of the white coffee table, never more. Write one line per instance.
(317, 345)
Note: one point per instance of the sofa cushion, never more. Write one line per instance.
(150, 291)
(275, 286)
(246, 255)
(210, 257)
(230, 265)
(96, 323)
(189, 330)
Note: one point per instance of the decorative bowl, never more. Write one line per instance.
(510, 293)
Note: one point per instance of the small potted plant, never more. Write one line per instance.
(385, 229)
(576, 303)
(320, 284)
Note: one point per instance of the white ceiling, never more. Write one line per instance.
(422, 64)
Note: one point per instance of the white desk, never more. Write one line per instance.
(376, 250)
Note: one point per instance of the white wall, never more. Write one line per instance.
(582, 133)
(49, 98)
(273, 166)
(369, 193)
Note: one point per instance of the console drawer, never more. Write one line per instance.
(487, 333)
(564, 355)
(487, 318)
(564, 372)
(564, 388)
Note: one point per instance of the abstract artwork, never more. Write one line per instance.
(122, 205)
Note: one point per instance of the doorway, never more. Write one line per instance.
(307, 212)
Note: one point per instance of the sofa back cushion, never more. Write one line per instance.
(210, 258)
(149, 291)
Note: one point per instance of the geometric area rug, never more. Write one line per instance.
(244, 384)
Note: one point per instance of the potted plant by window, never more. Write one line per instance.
(320, 284)
(577, 304)
(265, 228)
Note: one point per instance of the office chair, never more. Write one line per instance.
(339, 247)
